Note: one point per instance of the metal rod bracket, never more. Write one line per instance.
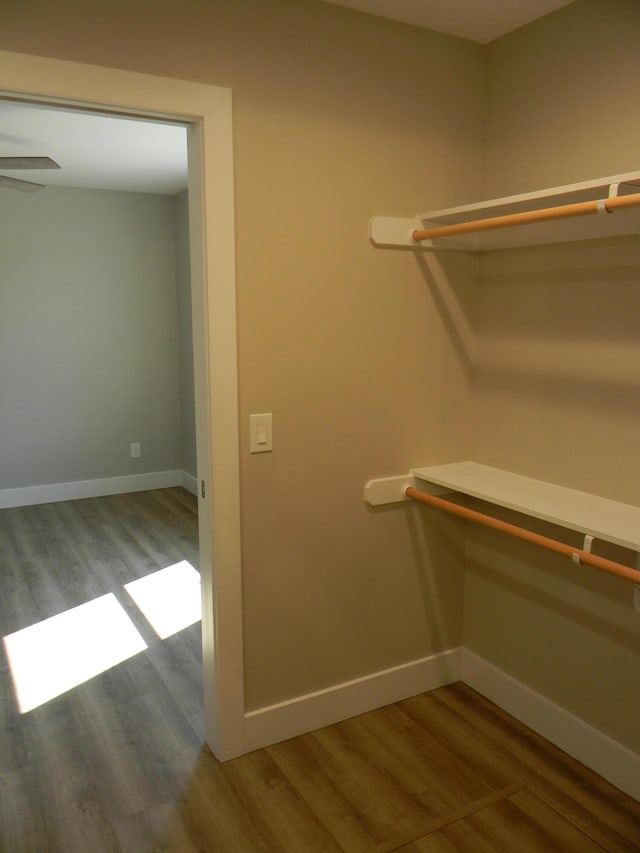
(586, 549)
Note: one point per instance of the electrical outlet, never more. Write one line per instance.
(135, 450)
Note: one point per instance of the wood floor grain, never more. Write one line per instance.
(117, 764)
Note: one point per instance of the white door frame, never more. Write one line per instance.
(207, 110)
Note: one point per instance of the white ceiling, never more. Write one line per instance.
(94, 150)
(477, 20)
(110, 152)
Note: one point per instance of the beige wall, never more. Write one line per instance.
(561, 96)
(367, 358)
(337, 117)
(557, 392)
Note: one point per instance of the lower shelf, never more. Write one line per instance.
(601, 518)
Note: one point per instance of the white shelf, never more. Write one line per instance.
(604, 519)
(390, 232)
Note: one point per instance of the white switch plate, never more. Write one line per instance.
(261, 433)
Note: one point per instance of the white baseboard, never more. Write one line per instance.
(586, 744)
(53, 492)
(314, 710)
(189, 482)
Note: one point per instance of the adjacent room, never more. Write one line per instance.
(99, 532)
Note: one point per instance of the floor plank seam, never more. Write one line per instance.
(462, 812)
(566, 816)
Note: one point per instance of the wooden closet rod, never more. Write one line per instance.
(586, 557)
(582, 208)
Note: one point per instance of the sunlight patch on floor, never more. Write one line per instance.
(169, 598)
(61, 652)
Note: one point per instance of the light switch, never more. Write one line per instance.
(261, 440)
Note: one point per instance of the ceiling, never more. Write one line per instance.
(115, 153)
(95, 150)
(478, 20)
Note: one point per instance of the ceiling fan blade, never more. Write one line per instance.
(28, 163)
(17, 184)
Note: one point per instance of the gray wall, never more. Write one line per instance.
(185, 335)
(88, 336)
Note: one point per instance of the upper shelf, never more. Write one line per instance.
(390, 232)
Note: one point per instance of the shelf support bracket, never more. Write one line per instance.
(391, 490)
(388, 232)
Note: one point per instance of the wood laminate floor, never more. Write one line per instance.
(117, 763)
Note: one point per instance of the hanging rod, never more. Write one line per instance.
(576, 554)
(565, 211)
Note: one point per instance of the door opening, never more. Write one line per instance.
(207, 112)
